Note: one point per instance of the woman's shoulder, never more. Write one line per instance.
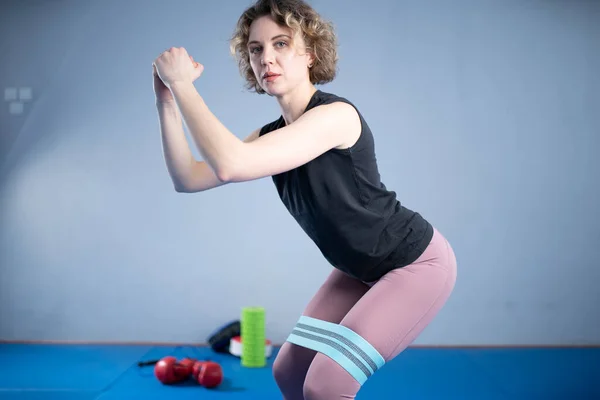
(322, 98)
(319, 98)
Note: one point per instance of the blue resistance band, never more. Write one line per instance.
(341, 344)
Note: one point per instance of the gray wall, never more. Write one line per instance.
(486, 118)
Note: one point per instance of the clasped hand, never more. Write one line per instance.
(176, 65)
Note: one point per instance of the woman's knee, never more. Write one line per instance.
(327, 380)
(291, 364)
(282, 366)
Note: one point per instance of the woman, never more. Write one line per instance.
(393, 271)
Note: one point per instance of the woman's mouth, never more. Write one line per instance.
(270, 77)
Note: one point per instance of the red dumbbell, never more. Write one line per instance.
(209, 374)
(168, 371)
(188, 366)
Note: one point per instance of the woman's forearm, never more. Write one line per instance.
(176, 151)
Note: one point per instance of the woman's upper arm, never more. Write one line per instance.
(314, 133)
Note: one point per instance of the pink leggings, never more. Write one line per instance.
(388, 314)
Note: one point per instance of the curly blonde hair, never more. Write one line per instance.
(318, 35)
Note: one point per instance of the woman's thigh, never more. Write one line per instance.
(332, 301)
(387, 319)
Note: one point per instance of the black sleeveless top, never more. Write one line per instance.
(339, 201)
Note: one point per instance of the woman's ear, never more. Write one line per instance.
(311, 59)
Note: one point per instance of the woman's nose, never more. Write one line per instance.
(267, 56)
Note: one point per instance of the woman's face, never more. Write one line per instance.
(279, 60)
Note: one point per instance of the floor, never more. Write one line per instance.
(100, 372)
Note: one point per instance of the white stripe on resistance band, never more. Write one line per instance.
(341, 344)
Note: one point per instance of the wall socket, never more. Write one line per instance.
(16, 98)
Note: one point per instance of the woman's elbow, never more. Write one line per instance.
(183, 187)
(180, 188)
(225, 175)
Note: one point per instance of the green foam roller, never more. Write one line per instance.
(253, 336)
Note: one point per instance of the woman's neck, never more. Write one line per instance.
(294, 104)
